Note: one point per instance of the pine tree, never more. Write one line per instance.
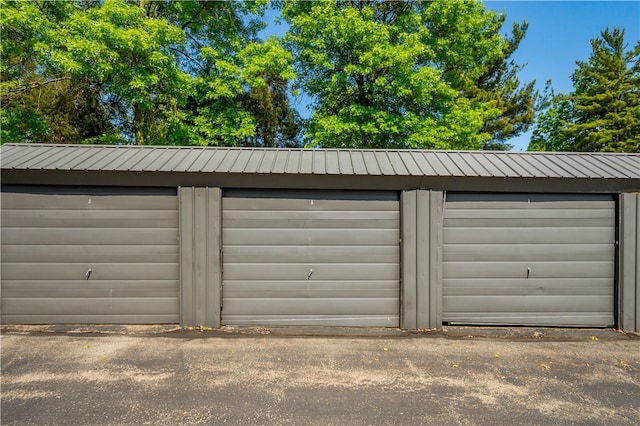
(605, 102)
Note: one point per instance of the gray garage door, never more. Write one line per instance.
(529, 259)
(311, 259)
(129, 242)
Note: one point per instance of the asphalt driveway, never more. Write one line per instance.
(265, 378)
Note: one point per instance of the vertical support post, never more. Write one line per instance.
(436, 218)
(629, 285)
(186, 213)
(422, 215)
(423, 264)
(408, 249)
(200, 262)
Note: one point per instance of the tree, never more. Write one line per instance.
(37, 105)
(129, 56)
(406, 74)
(267, 71)
(111, 58)
(140, 71)
(603, 111)
(500, 85)
(549, 133)
(606, 97)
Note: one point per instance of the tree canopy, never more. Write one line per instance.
(421, 74)
(411, 74)
(603, 111)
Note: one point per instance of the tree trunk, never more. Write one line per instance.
(138, 122)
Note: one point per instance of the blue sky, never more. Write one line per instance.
(558, 36)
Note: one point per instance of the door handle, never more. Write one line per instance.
(310, 273)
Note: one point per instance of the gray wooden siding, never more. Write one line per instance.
(49, 241)
(421, 259)
(567, 242)
(270, 245)
(201, 267)
(630, 262)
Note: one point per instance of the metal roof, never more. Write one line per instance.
(320, 161)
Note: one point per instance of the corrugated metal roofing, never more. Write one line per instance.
(320, 161)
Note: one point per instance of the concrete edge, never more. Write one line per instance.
(453, 332)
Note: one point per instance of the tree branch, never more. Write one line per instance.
(31, 86)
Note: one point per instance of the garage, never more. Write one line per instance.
(215, 236)
(529, 259)
(311, 258)
(89, 255)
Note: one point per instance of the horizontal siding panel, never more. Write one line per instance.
(320, 204)
(525, 222)
(90, 292)
(531, 235)
(529, 252)
(517, 288)
(317, 319)
(90, 253)
(292, 215)
(89, 236)
(12, 201)
(531, 213)
(310, 237)
(548, 269)
(89, 218)
(524, 200)
(313, 289)
(316, 306)
(51, 285)
(527, 205)
(92, 319)
(364, 223)
(91, 306)
(307, 254)
(337, 271)
(313, 292)
(482, 286)
(533, 303)
(110, 271)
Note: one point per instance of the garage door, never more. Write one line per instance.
(311, 259)
(91, 256)
(529, 259)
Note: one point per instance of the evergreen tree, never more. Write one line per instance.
(606, 111)
(550, 133)
(603, 111)
(500, 85)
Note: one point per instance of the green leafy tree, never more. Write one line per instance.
(112, 58)
(603, 111)
(140, 71)
(39, 105)
(550, 133)
(268, 69)
(238, 81)
(129, 56)
(406, 74)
